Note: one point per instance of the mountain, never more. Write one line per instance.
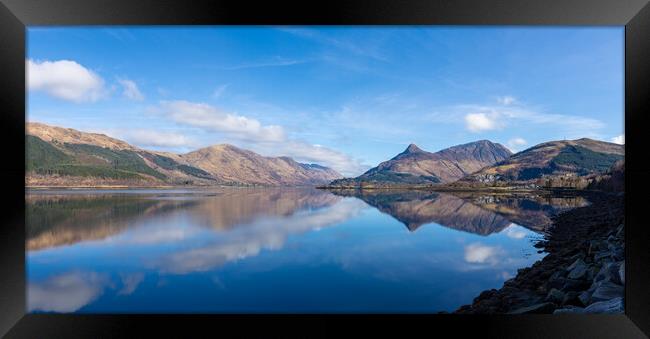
(415, 166)
(555, 163)
(230, 164)
(57, 156)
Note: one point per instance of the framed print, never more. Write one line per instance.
(300, 170)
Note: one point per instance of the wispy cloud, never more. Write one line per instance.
(276, 61)
(155, 138)
(506, 100)
(65, 79)
(263, 234)
(208, 117)
(130, 89)
(355, 47)
(130, 282)
(218, 92)
(268, 140)
(480, 118)
(619, 139)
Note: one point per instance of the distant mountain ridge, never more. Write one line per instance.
(415, 166)
(63, 156)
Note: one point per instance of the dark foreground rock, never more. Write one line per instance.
(583, 272)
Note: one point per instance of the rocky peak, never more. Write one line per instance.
(413, 148)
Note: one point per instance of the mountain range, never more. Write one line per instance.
(57, 156)
(419, 167)
(566, 163)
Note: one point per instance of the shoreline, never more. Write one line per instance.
(583, 272)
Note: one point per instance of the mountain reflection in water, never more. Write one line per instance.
(478, 213)
(275, 249)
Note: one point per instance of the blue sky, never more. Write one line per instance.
(345, 97)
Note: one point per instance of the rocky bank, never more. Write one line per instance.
(583, 272)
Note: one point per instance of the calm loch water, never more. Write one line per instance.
(275, 250)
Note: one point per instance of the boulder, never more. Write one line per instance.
(543, 308)
(555, 295)
(603, 274)
(602, 255)
(577, 270)
(608, 306)
(607, 290)
(585, 297)
(571, 298)
(556, 283)
(575, 285)
(613, 273)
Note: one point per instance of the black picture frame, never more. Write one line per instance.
(15, 15)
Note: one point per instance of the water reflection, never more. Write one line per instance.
(477, 213)
(275, 250)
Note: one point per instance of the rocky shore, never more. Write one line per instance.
(583, 272)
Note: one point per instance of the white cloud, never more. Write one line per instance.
(208, 117)
(515, 232)
(66, 292)
(478, 122)
(481, 254)
(484, 118)
(506, 100)
(65, 79)
(131, 90)
(268, 140)
(619, 139)
(515, 144)
(309, 153)
(151, 138)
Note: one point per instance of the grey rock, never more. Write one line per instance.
(575, 285)
(555, 295)
(556, 274)
(614, 305)
(577, 270)
(585, 297)
(577, 262)
(618, 253)
(569, 309)
(621, 273)
(544, 308)
(613, 273)
(603, 274)
(600, 256)
(571, 298)
(556, 283)
(606, 291)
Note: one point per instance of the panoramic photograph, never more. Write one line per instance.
(325, 169)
